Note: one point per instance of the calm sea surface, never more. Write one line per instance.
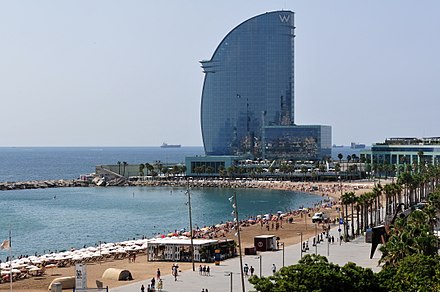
(58, 219)
(40, 163)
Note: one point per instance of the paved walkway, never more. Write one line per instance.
(356, 251)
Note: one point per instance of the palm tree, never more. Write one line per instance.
(141, 169)
(377, 193)
(420, 156)
(124, 163)
(119, 167)
(348, 162)
(183, 169)
(352, 202)
(357, 201)
(158, 166)
(369, 199)
(346, 199)
(362, 204)
(149, 168)
(304, 171)
(340, 156)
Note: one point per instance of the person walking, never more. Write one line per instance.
(252, 271)
(174, 271)
(246, 269)
(158, 274)
(142, 288)
(274, 269)
(159, 285)
(153, 283)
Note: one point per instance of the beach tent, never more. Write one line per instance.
(66, 282)
(117, 274)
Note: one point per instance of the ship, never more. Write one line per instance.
(166, 145)
(357, 146)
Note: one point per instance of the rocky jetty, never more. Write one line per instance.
(4, 186)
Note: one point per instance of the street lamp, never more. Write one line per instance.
(229, 274)
(282, 243)
(260, 257)
(328, 243)
(301, 247)
(190, 228)
(100, 252)
(317, 240)
(234, 206)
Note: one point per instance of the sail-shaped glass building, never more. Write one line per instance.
(249, 89)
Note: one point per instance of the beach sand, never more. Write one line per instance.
(142, 270)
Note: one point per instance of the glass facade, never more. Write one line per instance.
(297, 142)
(249, 84)
(403, 154)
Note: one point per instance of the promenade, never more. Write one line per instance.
(356, 251)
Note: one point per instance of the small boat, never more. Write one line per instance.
(165, 145)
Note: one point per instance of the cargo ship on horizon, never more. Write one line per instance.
(166, 145)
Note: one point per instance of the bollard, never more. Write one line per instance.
(57, 287)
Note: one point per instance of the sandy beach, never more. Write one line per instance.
(142, 270)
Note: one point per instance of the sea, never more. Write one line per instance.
(46, 220)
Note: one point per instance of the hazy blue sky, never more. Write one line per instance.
(126, 73)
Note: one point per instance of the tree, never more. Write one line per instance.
(416, 272)
(348, 162)
(124, 163)
(315, 273)
(149, 168)
(410, 235)
(347, 199)
(141, 169)
(340, 156)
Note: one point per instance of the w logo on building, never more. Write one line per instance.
(284, 18)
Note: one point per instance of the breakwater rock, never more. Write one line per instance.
(213, 183)
(4, 186)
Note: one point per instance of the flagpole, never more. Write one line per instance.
(10, 260)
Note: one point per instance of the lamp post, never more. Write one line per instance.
(316, 237)
(301, 242)
(282, 243)
(190, 228)
(229, 274)
(234, 206)
(100, 252)
(328, 243)
(260, 257)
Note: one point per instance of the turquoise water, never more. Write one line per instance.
(58, 219)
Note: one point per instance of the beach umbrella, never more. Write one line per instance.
(51, 266)
(30, 267)
(35, 269)
(76, 258)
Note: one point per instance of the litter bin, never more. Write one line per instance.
(250, 250)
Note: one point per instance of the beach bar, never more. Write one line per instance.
(179, 249)
(265, 242)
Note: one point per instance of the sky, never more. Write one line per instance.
(127, 73)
